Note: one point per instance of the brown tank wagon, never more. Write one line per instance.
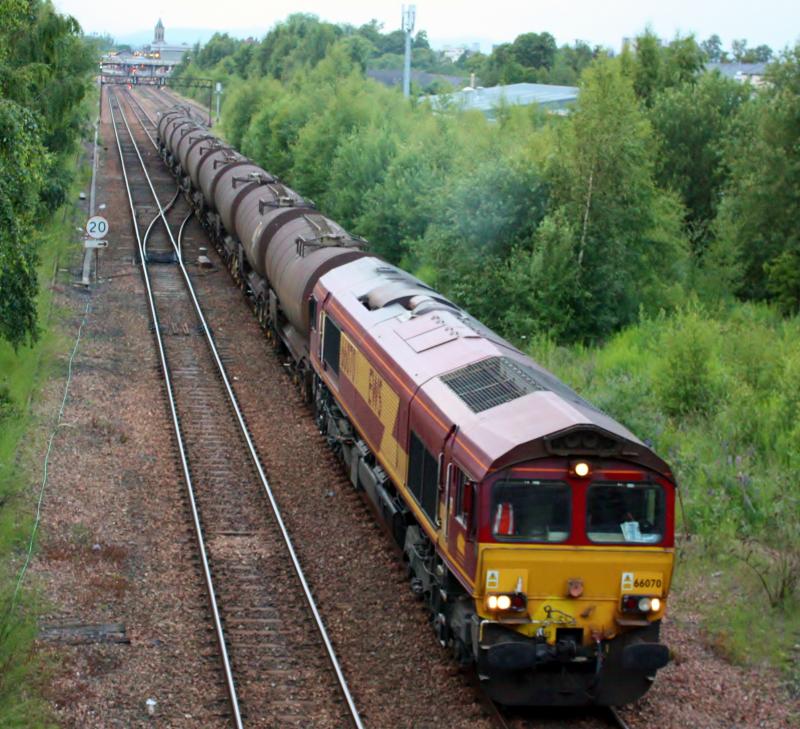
(233, 185)
(260, 214)
(197, 155)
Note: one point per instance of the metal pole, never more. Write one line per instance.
(409, 14)
(219, 95)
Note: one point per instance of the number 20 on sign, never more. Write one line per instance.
(97, 227)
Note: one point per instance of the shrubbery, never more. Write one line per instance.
(716, 394)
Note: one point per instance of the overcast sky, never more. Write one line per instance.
(774, 22)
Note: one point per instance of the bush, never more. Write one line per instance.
(686, 378)
(8, 408)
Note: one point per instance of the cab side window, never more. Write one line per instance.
(464, 492)
(331, 342)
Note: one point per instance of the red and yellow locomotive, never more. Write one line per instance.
(539, 531)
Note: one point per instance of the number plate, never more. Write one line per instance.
(642, 583)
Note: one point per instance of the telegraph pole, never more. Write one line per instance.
(409, 15)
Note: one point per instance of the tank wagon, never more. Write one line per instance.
(538, 530)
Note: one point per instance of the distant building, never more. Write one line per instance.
(162, 50)
(153, 62)
(553, 99)
(752, 72)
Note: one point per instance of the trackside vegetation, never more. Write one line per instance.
(644, 247)
(45, 66)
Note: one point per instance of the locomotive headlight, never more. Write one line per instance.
(503, 602)
(491, 602)
(655, 604)
(645, 604)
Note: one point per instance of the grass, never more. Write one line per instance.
(716, 393)
(23, 373)
(738, 620)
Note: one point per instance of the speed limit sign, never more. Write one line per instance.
(97, 227)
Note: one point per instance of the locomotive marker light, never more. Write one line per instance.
(581, 469)
(516, 602)
(636, 603)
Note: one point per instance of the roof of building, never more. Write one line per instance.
(486, 99)
(737, 70)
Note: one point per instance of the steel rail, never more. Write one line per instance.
(256, 460)
(180, 233)
(220, 633)
(156, 218)
(617, 719)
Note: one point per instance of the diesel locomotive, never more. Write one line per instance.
(538, 530)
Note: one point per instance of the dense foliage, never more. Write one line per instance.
(582, 237)
(571, 226)
(44, 71)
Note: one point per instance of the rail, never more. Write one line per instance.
(218, 629)
(353, 711)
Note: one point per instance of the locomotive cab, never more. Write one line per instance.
(574, 561)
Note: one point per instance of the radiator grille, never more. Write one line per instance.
(491, 382)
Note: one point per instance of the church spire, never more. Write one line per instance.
(159, 36)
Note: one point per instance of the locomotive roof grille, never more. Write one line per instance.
(491, 382)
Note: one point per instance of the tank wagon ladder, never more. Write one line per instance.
(120, 122)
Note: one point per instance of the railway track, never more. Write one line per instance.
(278, 664)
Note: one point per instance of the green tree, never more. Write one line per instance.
(654, 67)
(44, 75)
(739, 49)
(219, 46)
(757, 222)
(23, 163)
(502, 67)
(647, 67)
(300, 42)
(535, 50)
(692, 123)
(349, 107)
(627, 247)
(760, 54)
(359, 165)
(712, 47)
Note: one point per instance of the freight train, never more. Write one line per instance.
(538, 530)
